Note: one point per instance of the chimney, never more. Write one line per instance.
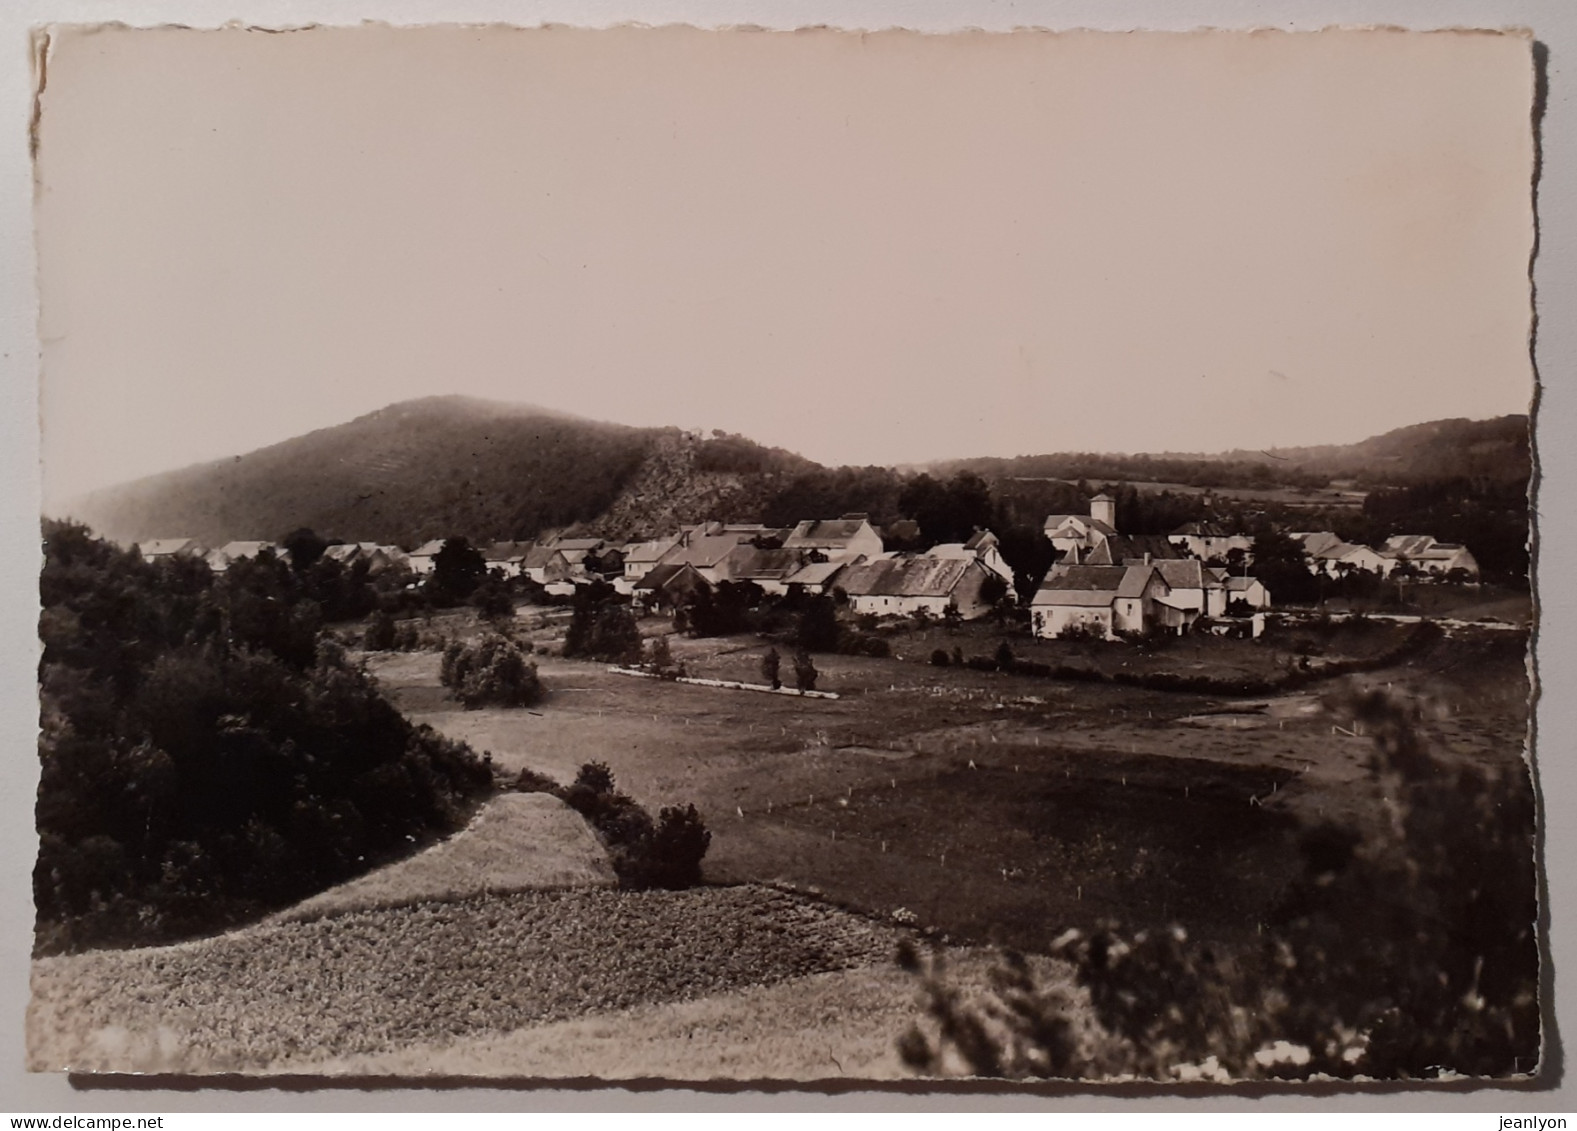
(1147, 558)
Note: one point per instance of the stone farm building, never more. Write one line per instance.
(1331, 556)
(1104, 599)
(1426, 555)
(1209, 540)
(221, 559)
(640, 558)
(903, 586)
(1073, 536)
(666, 587)
(421, 559)
(836, 539)
(376, 557)
(163, 549)
(982, 547)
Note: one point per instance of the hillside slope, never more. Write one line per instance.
(1497, 450)
(413, 471)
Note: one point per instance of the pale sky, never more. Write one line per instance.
(866, 248)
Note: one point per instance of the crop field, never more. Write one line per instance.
(371, 981)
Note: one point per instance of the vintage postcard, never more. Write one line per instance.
(656, 553)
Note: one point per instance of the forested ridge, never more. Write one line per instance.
(430, 468)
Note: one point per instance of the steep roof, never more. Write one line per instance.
(703, 550)
(1189, 573)
(585, 545)
(248, 549)
(428, 549)
(1123, 549)
(1241, 584)
(661, 576)
(1317, 541)
(538, 557)
(905, 577)
(164, 547)
(1087, 585)
(826, 532)
(508, 551)
(755, 564)
(1411, 545)
(1088, 523)
(1202, 530)
(818, 573)
(638, 552)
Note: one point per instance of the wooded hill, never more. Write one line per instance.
(1495, 451)
(438, 466)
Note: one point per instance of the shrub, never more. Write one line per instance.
(596, 777)
(673, 856)
(1004, 656)
(491, 671)
(818, 626)
(660, 659)
(602, 628)
(493, 602)
(940, 658)
(860, 644)
(771, 668)
(529, 781)
(665, 853)
(379, 636)
(804, 671)
(1081, 631)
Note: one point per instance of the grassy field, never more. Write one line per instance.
(997, 808)
(986, 808)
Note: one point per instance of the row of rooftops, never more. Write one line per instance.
(1326, 546)
(1099, 585)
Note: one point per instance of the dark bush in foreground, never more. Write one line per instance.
(490, 672)
(665, 853)
(198, 769)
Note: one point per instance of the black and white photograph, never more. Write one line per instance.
(663, 554)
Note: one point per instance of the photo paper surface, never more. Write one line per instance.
(737, 555)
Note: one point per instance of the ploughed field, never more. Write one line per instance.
(289, 995)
